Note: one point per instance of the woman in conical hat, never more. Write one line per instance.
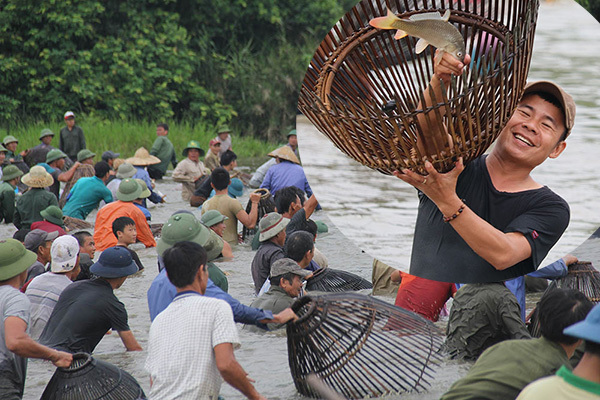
(287, 172)
(140, 160)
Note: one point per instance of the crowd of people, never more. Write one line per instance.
(57, 301)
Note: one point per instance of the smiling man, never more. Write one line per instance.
(490, 221)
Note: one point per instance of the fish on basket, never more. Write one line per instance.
(346, 340)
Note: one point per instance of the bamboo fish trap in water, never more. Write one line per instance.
(265, 206)
(582, 276)
(360, 346)
(363, 87)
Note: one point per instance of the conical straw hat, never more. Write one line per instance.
(37, 177)
(142, 157)
(285, 153)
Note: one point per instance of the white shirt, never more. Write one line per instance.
(43, 292)
(181, 360)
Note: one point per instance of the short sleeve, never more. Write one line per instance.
(235, 206)
(542, 225)
(224, 329)
(17, 306)
(118, 316)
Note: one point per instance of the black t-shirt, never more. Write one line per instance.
(204, 189)
(85, 311)
(135, 257)
(297, 222)
(55, 187)
(439, 253)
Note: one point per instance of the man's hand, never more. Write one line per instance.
(285, 316)
(440, 188)
(447, 65)
(255, 197)
(570, 259)
(62, 359)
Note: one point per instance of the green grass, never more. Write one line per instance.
(126, 137)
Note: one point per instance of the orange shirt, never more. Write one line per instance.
(103, 234)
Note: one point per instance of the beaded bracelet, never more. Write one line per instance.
(456, 214)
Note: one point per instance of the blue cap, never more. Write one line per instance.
(588, 329)
(114, 262)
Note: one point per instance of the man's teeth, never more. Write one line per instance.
(522, 139)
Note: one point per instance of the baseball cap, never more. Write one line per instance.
(285, 265)
(37, 237)
(565, 99)
(213, 142)
(64, 252)
(589, 328)
(69, 114)
(109, 155)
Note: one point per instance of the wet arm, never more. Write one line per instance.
(67, 175)
(232, 372)
(249, 220)
(131, 344)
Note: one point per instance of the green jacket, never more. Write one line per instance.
(275, 300)
(218, 277)
(7, 202)
(71, 141)
(163, 149)
(29, 206)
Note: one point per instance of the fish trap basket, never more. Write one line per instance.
(582, 276)
(335, 280)
(266, 205)
(360, 346)
(363, 88)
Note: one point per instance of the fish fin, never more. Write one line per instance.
(421, 45)
(429, 15)
(446, 15)
(386, 22)
(400, 34)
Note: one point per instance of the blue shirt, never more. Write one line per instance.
(144, 210)
(162, 292)
(143, 175)
(286, 174)
(517, 286)
(85, 196)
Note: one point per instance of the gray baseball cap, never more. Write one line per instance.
(285, 265)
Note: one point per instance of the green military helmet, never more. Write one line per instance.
(53, 155)
(84, 155)
(46, 132)
(193, 144)
(9, 139)
(10, 172)
(129, 190)
(14, 258)
(182, 227)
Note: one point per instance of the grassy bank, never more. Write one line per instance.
(125, 137)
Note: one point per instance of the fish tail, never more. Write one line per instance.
(386, 22)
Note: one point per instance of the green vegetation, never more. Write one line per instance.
(593, 7)
(196, 62)
(125, 137)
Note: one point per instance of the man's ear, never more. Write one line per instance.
(560, 147)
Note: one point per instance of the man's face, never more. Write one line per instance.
(293, 288)
(60, 163)
(280, 238)
(203, 275)
(293, 141)
(2, 156)
(219, 228)
(47, 139)
(295, 206)
(533, 132)
(110, 161)
(128, 235)
(160, 131)
(89, 161)
(215, 148)
(89, 246)
(194, 154)
(12, 146)
(44, 252)
(70, 122)
(223, 136)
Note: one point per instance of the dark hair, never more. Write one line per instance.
(80, 236)
(20, 234)
(220, 178)
(164, 126)
(182, 262)
(101, 169)
(311, 227)
(120, 223)
(228, 157)
(284, 198)
(276, 280)
(547, 97)
(592, 347)
(301, 194)
(559, 308)
(297, 244)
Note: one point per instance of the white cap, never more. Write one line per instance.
(69, 114)
(64, 253)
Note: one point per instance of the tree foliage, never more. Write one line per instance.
(237, 61)
(593, 7)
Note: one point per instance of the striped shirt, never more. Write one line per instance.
(43, 292)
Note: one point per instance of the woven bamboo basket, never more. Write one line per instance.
(265, 206)
(363, 87)
(360, 346)
(336, 280)
(582, 276)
